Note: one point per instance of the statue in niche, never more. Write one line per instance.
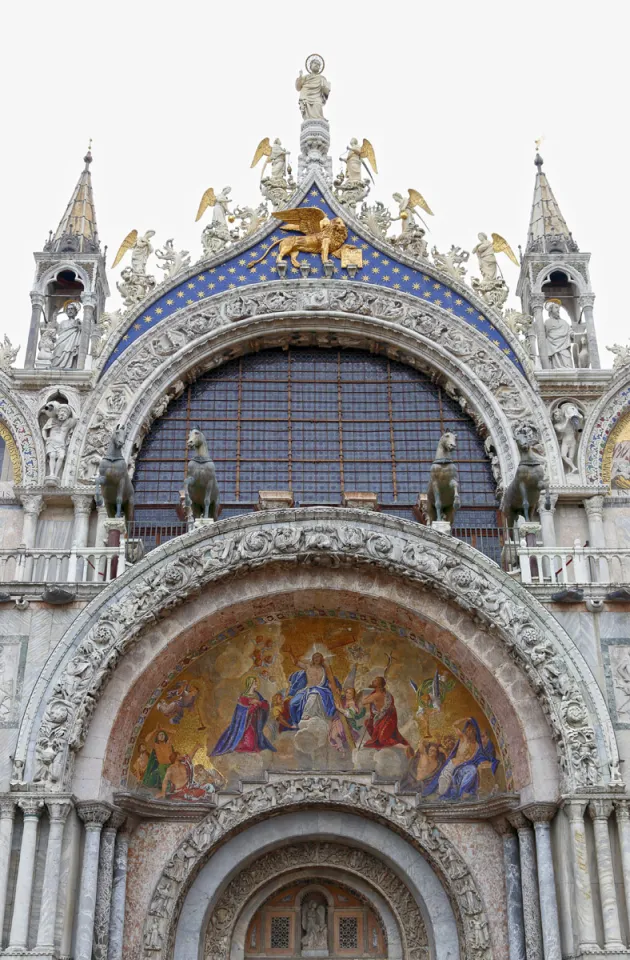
(315, 936)
(47, 337)
(559, 340)
(56, 433)
(66, 348)
(314, 89)
(568, 422)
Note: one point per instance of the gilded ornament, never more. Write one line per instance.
(321, 235)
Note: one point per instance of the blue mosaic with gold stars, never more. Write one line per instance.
(378, 269)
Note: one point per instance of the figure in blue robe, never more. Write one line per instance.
(301, 687)
(461, 779)
(245, 732)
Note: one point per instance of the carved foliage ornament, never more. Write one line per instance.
(326, 535)
(308, 855)
(399, 812)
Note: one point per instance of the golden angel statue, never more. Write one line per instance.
(355, 159)
(485, 252)
(408, 208)
(141, 250)
(321, 235)
(220, 206)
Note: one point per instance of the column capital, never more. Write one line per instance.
(503, 826)
(574, 808)
(519, 821)
(594, 507)
(93, 813)
(553, 499)
(540, 812)
(116, 819)
(82, 502)
(537, 301)
(600, 809)
(32, 503)
(622, 810)
(587, 300)
(58, 810)
(7, 808)
(37, 299)
(31, 807)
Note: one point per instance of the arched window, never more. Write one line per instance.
(317, 422)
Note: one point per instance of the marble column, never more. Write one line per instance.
(622, 813)
(594, 507)
(587, 302)
(583, 895)
(31, 809)
(547, 519)
(70, 882)
(104, 884)
(513, 890)
(542, 814)
(58, 811)
(33, 504)
(94, 815)
(600, 811)
(529, 885)
(119, 889)
(37, 304)
(82, 511)
(537, 305)
(87, 322)
(7, 815)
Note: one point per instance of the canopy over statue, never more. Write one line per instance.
(314, 89)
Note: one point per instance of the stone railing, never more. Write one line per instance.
(573, 565)
(70, 565)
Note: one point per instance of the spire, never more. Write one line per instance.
(77, 231)
(548, 230)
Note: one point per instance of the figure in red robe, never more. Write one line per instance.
(382, 723)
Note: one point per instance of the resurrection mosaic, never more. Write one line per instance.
(316, 693)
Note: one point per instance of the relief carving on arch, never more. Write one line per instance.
(325, 536)
(304, 855)
(400, 812)
(147, 360)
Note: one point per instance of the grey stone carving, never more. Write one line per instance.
(136, 283)
(314, 927)
(250, 219)
(443, 490)
(314, 89)
(12, 662)
(376, 218)
(491, 287)
(341, 792)
(216, 235)
(451, 263)
(113, 486)
(522, 495)
(172, 262)
(621, 355)
(47, 338)
(8, 353)
(150, 595)
(66, 347)
(568, 421)
(558, 337)
(56, 431)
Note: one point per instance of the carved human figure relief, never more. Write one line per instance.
(56, 432)
(568, 422)
(620, 668)
(314, 926)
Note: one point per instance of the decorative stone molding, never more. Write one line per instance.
(600, 809)
(31, 807)
(303, 856)
(94, 814)
(71, 683)
(594, 507)
(58, 809)
(600, 422)
(331, 314)
(540, 812)
(338, 792)
(7, 809)
(21, 422)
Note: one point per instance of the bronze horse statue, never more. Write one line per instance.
(202, 490)
(113, 485)
(522, 495)
(443, 491)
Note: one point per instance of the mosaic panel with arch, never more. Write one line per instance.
(616, 458)
(221, 715)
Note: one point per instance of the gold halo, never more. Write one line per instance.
(71, 300)
(313, 56)
(553, 300)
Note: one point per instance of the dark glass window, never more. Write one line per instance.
(317, 422)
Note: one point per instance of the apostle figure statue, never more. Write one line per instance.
(56, 433)
(313, 88)
(66, 347)
(558, 334)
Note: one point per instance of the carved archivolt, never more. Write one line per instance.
(398, 813)
(303, 856)
(335, 313)
(115, 620)
(19, 422)
(601, 421)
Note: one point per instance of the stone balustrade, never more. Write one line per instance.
(573, 565)
(71, 565)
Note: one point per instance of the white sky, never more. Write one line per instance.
(177, 95)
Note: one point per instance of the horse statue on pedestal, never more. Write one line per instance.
(202, 490)
(113, 485)
(443, 490)
(522, 495)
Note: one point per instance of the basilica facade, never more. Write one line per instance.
(314, 586)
